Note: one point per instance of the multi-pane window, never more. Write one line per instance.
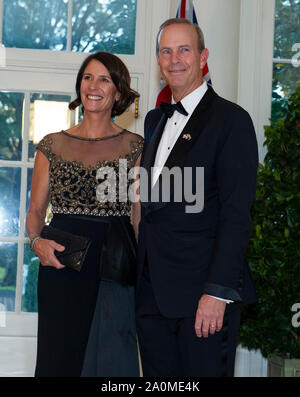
(25, 117)
(70, 25)
(286, 70)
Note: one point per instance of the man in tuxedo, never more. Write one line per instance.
(192, 272)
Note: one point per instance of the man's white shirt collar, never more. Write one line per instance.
(174, 127)
(190, 101)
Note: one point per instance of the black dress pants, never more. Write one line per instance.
(169, 347)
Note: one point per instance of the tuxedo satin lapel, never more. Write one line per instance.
(191, 131)
(151, 148)
(150, 151)
(188, 138)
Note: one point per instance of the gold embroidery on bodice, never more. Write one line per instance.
(72, 184)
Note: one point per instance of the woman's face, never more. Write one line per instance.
(98, 92)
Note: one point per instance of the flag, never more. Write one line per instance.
(185, 10)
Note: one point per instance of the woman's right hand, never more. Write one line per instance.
(44, 249)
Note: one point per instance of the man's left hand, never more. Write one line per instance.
(209, 316)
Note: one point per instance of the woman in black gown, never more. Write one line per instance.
(86, 324)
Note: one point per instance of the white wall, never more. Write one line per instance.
(17, 356)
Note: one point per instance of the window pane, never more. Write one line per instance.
(35, 24)
(78, 115)
(10, 183)
(30, 274)
(8, 274)
(29, 180)
(48, 113)
(285, 80)
(287, 28)
(11, 115)
(104, 25)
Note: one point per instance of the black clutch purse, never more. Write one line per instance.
(75, 250)
(119, 252)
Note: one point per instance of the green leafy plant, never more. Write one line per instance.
(274, 247)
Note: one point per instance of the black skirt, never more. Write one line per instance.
(80, 329)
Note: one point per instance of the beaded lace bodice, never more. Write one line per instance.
(73, 166)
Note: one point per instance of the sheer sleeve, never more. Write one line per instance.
(74, 164)
(45, 146)
(136, 149)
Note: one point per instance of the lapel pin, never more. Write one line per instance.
(187, 137)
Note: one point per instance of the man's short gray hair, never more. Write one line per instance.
(180, 21)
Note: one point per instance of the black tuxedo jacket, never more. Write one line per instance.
(190, 254)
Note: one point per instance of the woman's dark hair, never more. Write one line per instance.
(120, 77)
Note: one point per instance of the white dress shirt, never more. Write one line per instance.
(174, 127)
(172, 131)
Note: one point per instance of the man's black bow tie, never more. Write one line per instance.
(169, 108)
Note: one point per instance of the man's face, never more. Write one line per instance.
(179, 59)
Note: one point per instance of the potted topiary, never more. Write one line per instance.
(273, 324)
